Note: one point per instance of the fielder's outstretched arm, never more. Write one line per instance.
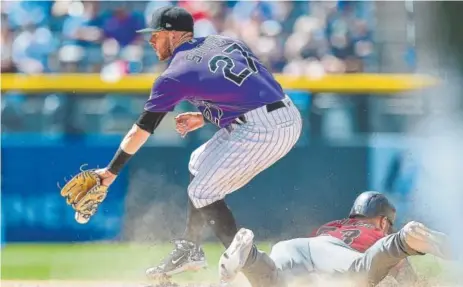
(163, 99)
(135, 139)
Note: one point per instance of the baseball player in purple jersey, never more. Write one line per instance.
(258, 124)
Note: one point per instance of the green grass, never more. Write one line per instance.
(95, 261)
(106, 261)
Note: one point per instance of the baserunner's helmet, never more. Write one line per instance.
(371, 204)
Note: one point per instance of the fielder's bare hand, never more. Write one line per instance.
(107, 178)
(188, 122)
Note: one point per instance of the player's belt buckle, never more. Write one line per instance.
(241, 120)
(229, 128)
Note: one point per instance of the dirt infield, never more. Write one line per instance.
(65, 283)
(77, 283)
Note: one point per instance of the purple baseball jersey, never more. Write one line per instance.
(217, 74)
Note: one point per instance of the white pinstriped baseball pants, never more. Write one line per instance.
(229, 160)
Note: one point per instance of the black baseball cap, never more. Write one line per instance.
(170, 18)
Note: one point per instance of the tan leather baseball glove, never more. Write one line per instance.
(84, 192)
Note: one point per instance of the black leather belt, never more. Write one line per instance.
(275, 106)
(269, 107)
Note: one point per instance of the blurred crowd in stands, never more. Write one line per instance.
(293, 37)
(300, 37)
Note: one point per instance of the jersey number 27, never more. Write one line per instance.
(229, 64)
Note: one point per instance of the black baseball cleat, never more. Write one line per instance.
(186, 256)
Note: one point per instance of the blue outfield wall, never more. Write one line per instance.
(148, 201)
(32, 207)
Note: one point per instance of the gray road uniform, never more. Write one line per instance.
(298, 260)
(351, 248)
